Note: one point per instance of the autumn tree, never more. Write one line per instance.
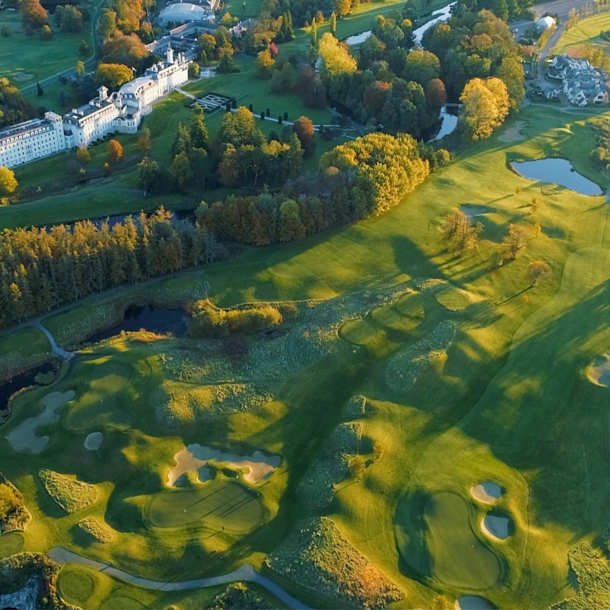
(357, 467)
(8, 182)
(114, 152)
(33, 15)
(83, 155)
(440, 602)
(515, 242)
(113, 75)
(69, 18)
(80, 69)
(9, 502)
(107, 24)
(181, 170)
(306, 133)
(124, 49)
(485, 105)
(336, 58)
(264, 64)
(458, 233)
(227, 65)
(436, 93)
(342, 7)
(333, 23)
(144, 141)
(538, 272)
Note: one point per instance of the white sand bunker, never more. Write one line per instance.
(94, 441)
(23, 437)
(495, 526)
(486, 492)
(513, 134)
(195, 459)
(22, 76)
(474, 210)
(473, 602)
(599, 372)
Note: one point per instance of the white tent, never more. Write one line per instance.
(545, 23)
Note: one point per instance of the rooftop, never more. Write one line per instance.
(23, 128)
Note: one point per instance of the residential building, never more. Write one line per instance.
(581, 82)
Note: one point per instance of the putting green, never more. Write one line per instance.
(75, 585)
(358, 332)
(99, 404)
(410, 305)
(122, 602)
(10, 543)
(217, 504)
(453, 299)
(387, 316)
(458, 556)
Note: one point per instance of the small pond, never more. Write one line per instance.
(449, 120)
(557, 171)
(147, 317)
(473, 602)
(24, 380)
(357, 38)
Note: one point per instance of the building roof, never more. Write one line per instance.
(24, 128)
(546, 22)
(182, 12)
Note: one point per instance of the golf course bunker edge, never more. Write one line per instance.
(473, 602)
(195, 458)
(496, 526)
(486, 492)
(599, 371)
(94, 441)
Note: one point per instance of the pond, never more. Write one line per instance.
(557, 171)
(24, 380)
(449, 120)
(442, 14)
(147, 317)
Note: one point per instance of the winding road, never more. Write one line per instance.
(245, 573)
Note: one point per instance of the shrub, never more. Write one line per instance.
(70, 494)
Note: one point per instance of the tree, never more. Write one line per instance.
(83, 48)
(336, 59)
(8, 182)
(342, 7)
(113, 75)
(80, 69)
(378, 451)
(144, 141)
(69, 18)
(194, 70)
(122, 49)
(33, 15)
(83, 155)
(305, 131)
(226, 65)
(46, 33)
(440, 603)
(485, 105)
(436, 93)
(114, 152)
(333, 23)
(264, 64)
(180, 170)
(39, 90)
(538, 272)
(198, 130)
(9, 502)
(515, 242)
(284, 79)
(421, 66)
(314, 34)
(239, 128)
(458, 233)
(107, 24)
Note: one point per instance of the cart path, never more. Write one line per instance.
(245, 573)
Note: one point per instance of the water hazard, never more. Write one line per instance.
(557, 171)
(18, 382)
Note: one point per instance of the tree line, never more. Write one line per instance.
(43, 268)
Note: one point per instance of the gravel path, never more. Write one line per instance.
(245, 573)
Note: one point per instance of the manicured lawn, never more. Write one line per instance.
(585, 32)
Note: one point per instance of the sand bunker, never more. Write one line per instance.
(23, 437)
(473, 602)
(94, 441)
(599, 372)
(495, 526)
(22, 76)
(195, 458)
(514, 133)
(486, 492)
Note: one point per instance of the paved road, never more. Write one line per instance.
(61, 353)
(245, 573)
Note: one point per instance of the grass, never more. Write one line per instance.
(22, 350)
(585, 32)
(511, 402)
(72, 495)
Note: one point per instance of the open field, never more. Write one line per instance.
(584, 33)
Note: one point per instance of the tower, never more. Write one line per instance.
(170, 54)
(103, 93)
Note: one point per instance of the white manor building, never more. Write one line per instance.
(118, 112)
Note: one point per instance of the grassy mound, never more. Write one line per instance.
(10, 544)
(593, 575)
(96, 529)
(216, 505)
(457, 557)
(452, 299)
(13, 514)
(316, 555)
(75, 584)
(404, 370)
(238, 595)
(332, 466)
(358, 332)
(70, 494)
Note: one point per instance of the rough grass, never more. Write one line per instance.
(586, 31)
(96, 529)
(72, 495)
(317, 556)
(16, 516)
(24, 349)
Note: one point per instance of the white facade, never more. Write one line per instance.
(119, 112)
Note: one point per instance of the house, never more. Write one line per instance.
(105, 114)
(581, 82)
(545, 23)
